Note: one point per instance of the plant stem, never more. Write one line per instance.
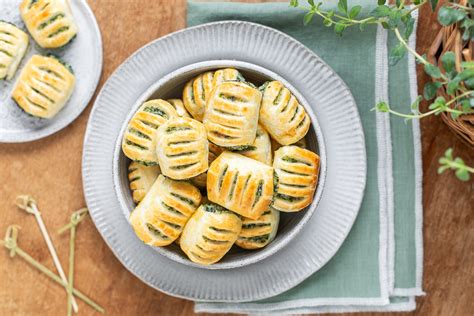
(455, 166)
(411, 50)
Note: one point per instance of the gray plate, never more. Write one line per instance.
(84, 54)
(345, 179)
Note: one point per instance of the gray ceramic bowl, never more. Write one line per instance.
(171, 86)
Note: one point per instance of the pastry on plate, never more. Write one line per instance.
(197, 90)
(281, 114)
(13, 45)
(201, 180)
(296, 177)
(139, 139)
(50, 22)
(210, 233)
(261, 148)
(231, 115)
(179, 107)
(44, 86)
(182, 148)
(240, 184)
(141, 178)
(257, 233)
(160, 217)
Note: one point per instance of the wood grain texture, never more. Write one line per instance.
(50, 170)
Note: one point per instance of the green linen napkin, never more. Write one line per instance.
(379, 266)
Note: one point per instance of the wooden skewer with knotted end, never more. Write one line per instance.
(28, 204)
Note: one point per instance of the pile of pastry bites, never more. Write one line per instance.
(204, 171)
(46, 82)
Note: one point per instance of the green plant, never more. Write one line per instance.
(397, 18)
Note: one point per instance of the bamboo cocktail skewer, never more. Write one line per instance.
(28, 204)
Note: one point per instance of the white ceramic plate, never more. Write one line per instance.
(84, 54)
(345, 155)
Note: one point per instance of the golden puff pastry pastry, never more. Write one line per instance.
(13, 45)
(50, 22)
(281, 114)
(197, 90)
(261, 149)
(179, 107)
(44, 86)
(259, 232)
(182, 148)
(210, 233)
(231, 116)
(141, 178)
(139, 139)
(296, 177)
(161, 216)
(201, 180)
(240, 184)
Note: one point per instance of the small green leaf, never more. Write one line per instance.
(467, 105)
(362, 26)
(462, 174)
(453, 86)
(327, 22)
(433, 71)
(394, 19)
(434, 4)
(381, 2)
(380, 11)
(429, 91)
(342, 6)
(339, 28)
(382, 107)
(294, 3)
(396, 54)
(449, 154)
(442, 169)
(355, 11)
(448, 61)
(311, 2)
(449, 15)
(308, 17)
(409, 25)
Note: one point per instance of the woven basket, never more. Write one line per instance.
(449, 38)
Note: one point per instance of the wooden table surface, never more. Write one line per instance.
(50, 170)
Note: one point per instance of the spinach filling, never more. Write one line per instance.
(257, 239)
(255, 225)
(180, 167)
(173, 129)
(155, 110)
(155, 231)
(288, 197)
(242, 148)
(184, 199)
(258, 194)
(138, 133)
(215, 208)
(130, 143)
(51, 20)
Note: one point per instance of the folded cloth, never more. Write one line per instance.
(379, 266)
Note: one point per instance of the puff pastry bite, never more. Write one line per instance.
(259, 232)
(179, 107)
(240, 184)
(210, 233)
(141, 178)
(197, 90)
(231, 115)
(44, 86)
(50, 22)
(182, 148)
(296, 176)
(13, 45)
(139, 139)
(281, 114)
(161, 216)
(261, 149)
